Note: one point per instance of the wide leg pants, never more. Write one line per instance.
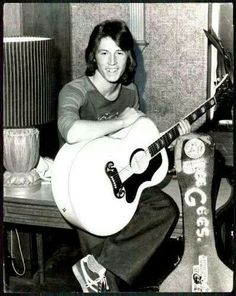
(127, 252)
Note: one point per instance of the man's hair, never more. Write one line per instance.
(120, 33)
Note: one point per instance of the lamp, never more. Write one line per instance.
(27, 102)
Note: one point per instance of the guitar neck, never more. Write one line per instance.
(173, 133)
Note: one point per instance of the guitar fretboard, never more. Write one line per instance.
(173, 133)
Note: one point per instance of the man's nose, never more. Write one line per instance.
(112, 60)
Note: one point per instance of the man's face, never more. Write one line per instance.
(111, 60)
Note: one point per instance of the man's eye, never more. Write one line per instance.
(103, 52)
(120, 53)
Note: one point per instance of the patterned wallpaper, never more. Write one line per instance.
(172, 69)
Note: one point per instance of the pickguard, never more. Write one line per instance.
(132, 184)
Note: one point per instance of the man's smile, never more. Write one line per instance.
(112, 70)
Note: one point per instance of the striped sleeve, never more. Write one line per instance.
(71, 98)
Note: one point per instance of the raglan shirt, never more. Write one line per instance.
(80, 99)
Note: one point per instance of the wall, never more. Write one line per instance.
(172, 69)
(176, 60)
(12, 19)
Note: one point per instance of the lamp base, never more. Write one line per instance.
(21, 154)
(21, 184)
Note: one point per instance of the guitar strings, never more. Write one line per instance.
(211, 100)
(147, 151)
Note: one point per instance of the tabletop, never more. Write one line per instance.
(36, 209)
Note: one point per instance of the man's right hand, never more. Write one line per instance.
(129, 116)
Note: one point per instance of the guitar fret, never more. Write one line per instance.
(162, 141)
(194, 116)
(157, 146)
(152, 149)
(169, 134)
(172, 134)
(176, 132)
(212, 102)
(203, 109)
(166, 139)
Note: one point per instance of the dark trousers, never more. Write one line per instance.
(126, 252)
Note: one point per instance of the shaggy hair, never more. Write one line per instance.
(120, 33)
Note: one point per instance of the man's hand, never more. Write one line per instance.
(129, 116)
(184, 127)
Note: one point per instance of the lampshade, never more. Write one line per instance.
(27, 102)
(27, 83)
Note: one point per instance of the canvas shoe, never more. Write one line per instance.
(91, 275)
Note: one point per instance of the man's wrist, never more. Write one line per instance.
(120, 123)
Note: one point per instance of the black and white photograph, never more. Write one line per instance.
(118, 148)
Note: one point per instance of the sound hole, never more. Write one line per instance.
(139, 161)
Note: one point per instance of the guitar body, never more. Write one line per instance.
(200, 269)
(85, 177)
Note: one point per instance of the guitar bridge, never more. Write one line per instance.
(112, 173)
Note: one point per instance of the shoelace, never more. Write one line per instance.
(103, 283)
(97, 284)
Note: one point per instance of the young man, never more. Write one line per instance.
(104, 101)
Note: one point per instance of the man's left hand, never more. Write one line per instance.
(184, 127)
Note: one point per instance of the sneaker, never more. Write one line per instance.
(91, 275)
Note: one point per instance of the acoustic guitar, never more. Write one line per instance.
(97, 184)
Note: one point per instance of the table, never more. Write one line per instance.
(38, 209)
